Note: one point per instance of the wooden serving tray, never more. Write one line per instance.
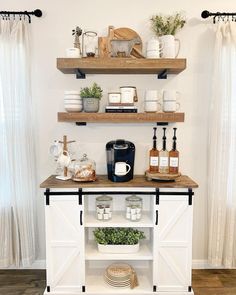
(161, 176)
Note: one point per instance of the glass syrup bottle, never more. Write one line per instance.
(174, 156)
(164, 156)
(154, 155)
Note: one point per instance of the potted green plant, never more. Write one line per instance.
(165, 27)
(91, 97)
(118, 240)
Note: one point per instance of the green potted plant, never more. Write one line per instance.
(91, 97)
(165, 27)
(118, 239)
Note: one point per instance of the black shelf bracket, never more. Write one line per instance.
(79, 74)
(80, 196)
(154, 288)
(162, 74)
(190, 196)
(48, 289)
(189, 288)
(162, 123)
(80, 123)
(157, 196)
(83, 288)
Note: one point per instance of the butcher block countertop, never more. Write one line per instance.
(139, 181)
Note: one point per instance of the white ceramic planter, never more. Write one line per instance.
(118, 249)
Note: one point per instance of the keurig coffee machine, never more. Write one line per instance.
(120, 160)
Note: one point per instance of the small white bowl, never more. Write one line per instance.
(73, 101)
(71, 96)
(71, 92)
(74, 109)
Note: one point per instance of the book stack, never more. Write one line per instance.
(121, 108)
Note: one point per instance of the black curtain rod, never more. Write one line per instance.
(36, 12)
(219, 15)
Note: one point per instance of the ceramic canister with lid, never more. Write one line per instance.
(104, 208)
(134, 206)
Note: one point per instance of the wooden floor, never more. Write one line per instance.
(205, 282)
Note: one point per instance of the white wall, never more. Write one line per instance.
(51, 34)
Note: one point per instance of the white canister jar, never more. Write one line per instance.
(128, 94)
(154, 48)
(152, 106)
(114, 97)
(170, 104)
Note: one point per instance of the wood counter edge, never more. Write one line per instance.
(102, 181)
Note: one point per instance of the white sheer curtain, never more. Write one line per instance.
(17, 156)
(222, 150)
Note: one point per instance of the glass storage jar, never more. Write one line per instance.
(104, 208)
(83, 169)
(134, 205)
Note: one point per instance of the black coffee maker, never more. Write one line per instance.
(120, 160)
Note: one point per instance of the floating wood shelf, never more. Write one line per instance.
(121, 117)
(82, 66)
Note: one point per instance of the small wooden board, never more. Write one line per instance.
(161, 176)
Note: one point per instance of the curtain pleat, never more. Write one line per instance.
(17, 151)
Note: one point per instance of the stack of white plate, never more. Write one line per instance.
(118, 275)
(72, 101)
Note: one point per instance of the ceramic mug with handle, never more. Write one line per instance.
(121, 168)
(171, 46)
(170, 104)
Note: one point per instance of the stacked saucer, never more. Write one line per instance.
(119, 275)
(72, 101)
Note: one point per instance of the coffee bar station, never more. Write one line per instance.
(119, 233)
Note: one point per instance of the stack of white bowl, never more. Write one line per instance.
(72, 101)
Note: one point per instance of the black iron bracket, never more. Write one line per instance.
(79, 74)
(48, 289)
(47, 194)
(157, 196)
(154, 288)
(80, 196)
(162, 123)
(162, 74)
(80, 123)
(118, 193)
(189, 288)
(190, 196)
(83, 288)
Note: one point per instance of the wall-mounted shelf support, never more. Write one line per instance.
(162, 123)
(162, 74)
(80, 123)
(79, 74)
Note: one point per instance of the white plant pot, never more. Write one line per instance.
(118, 249)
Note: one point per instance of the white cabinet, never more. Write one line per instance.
(64, 245)
(163, 263)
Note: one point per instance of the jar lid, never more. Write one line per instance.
(104, 198)
(133, 198)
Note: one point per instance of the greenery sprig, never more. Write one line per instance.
(94, 91)
(118, 236)
(167, 24)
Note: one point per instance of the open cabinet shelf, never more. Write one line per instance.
(82, 66)
(120, 117)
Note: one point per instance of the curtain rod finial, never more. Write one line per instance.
(38, 12)
(205, 14)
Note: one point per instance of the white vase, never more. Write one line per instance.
(118, 249)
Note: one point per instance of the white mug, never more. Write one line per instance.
(169, 46)
(64, 159)
(128, 94)
(170, 106)
(121, 168)
(72, 52)
(151, 106)
(56, 148)
(170, 95)
(154, 48)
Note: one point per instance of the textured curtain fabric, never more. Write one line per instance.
(222, 150)
(17, 155)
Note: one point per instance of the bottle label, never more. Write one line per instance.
(174, 162)
(163, 161)
(153, 161)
